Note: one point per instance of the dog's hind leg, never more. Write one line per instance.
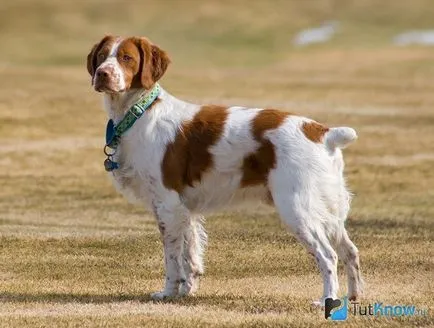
(350, 256)
(195, 239)
(310, 231)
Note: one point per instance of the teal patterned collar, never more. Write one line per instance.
(114, 132)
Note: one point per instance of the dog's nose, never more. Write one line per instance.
(102, 73)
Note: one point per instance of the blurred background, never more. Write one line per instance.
(231, 39)
(336, 52)
(66, 237)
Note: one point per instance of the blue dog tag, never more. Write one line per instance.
(110, 132)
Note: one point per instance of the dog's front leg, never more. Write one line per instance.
(172, 223)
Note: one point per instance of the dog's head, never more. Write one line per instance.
(119, 64)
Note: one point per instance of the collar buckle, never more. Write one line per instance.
(131, 110)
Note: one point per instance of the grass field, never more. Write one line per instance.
(73, 253)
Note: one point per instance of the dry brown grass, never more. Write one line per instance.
(75, 254)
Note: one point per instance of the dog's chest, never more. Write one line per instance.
(136, 173)
(129, 184)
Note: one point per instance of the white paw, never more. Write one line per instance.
(159, 296)
(186, 289)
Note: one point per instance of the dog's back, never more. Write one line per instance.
(249, 148)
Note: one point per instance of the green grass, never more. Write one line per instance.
(73, 253)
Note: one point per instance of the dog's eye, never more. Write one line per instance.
(101, 56)
(126, 58)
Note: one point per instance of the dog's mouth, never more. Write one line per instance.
(107, 89)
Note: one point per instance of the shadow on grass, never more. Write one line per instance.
(250, 304)
(109, 298)
(381, 225)
(76, 226)
(70, 297)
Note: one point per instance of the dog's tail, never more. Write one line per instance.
(339, 137)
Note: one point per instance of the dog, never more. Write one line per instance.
(182, 160)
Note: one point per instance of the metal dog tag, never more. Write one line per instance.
(109, 165)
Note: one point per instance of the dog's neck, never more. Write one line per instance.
(117, 104)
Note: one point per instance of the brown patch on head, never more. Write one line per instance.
(314, 131)
(152, 63)
(142, 62)
(130, 60)
(257, 165)
(99, 53)
(188, 157)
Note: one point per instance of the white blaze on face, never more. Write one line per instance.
(111, 65)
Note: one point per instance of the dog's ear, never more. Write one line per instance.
(92, 56)
(153, 62)
(160, 62)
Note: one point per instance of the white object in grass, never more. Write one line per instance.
(316, 35)
(415, 37)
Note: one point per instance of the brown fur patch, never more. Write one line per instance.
(188, 157)
(99, 53)
(257, 165)
(142, 62)
(153, 62)
(130, 59)
(314, 131)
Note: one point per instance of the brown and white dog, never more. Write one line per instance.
(182, 160)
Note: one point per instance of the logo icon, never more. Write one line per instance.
(337, 309)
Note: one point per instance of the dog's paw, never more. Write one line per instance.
(187, 289)
(353, 297)
(160, 296)
(184, 291)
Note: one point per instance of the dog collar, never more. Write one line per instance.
(114, 132)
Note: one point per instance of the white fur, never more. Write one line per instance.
(339, 138)
(307, 187)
